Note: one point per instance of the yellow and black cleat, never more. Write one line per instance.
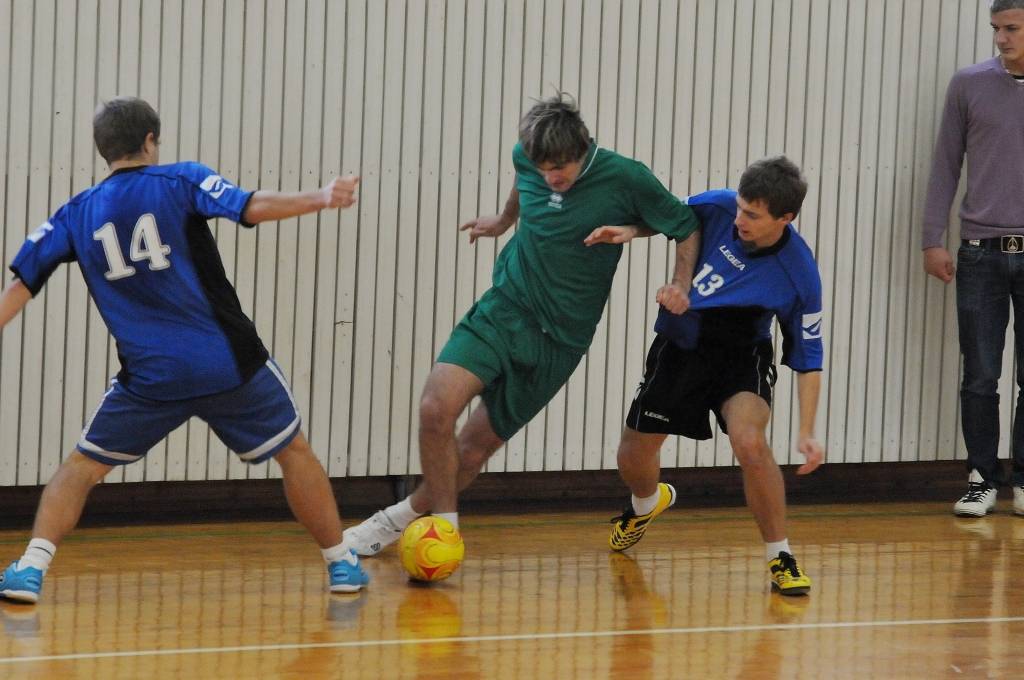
(786, 576)
(628, 528)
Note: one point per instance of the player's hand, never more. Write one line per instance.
(492, 225)
(813, 451)
(939, 263)
(674, 298)
(612, 234)
(340, 192)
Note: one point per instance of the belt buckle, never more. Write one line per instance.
(1011, 244)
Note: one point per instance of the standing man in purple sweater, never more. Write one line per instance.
(984, 118)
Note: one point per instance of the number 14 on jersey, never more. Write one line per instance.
(146, 245)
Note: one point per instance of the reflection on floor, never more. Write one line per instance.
(900, 591)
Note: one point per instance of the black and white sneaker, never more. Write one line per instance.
(979, 500)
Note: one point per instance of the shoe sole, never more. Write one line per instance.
(672, 493)
(803, 590)
(345, 588)
(968, 513)
(20, 595)
(368, 553)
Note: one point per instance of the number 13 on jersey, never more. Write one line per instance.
(713, 281)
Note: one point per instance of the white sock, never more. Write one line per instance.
(335, 553)
(642, 506)
(38, 554)
(773, 548)
(401, 513)
(452, 517)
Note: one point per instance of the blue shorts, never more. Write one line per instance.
(255, 420)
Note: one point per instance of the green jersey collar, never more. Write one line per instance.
(588, 160)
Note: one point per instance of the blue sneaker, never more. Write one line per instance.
(346, 574)
(21, 585)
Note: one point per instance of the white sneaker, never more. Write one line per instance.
(979, 500)
(1018, 500)
(373, 534)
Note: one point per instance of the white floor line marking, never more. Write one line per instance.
(508, 638)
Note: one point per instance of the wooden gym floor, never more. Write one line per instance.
(900, 591)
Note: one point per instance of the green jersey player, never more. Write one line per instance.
(524, 337)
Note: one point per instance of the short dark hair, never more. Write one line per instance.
(776, 181)
(553, 132)
(121, 125)
(997, 6)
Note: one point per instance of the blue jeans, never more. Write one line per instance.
(987, 281)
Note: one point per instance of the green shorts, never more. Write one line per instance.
(521, 367)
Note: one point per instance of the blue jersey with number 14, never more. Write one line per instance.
(141, 240)
(735, 294)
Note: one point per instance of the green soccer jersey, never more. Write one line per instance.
(546, 268)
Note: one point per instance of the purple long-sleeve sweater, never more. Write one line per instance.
(984, 117)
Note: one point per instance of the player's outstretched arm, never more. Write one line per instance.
(675, 296)
(268, 206)
(617, 233)
(808, 386)
(14, 298)
(494, 225)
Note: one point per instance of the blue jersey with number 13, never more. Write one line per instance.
(735, 294)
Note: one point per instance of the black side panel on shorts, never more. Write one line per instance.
(250, 354)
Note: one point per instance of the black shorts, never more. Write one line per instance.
(681, 386)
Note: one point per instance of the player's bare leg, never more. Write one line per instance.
(448, 391)
(311, 499)
(309, 493)
(60, 506)
(476, 442)
(746, 417)
(639, 466)
(639, 460)
(59, 511)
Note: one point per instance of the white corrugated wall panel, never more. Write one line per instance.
(59, 334)
(511, 14)
(783, 76)
(16, 225)
(349, 23)
(422, 98)
(40, 72)
(406, 198)
(7, 31)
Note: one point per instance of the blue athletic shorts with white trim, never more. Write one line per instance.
(255, 420)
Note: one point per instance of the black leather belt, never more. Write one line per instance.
(1013, 244)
